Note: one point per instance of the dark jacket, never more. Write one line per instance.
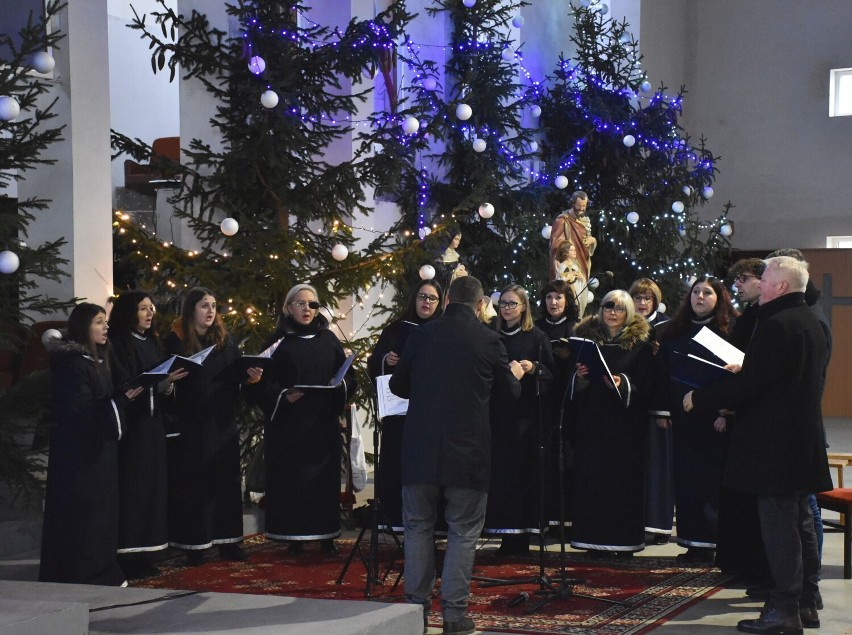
(449, 371)
(778, 445)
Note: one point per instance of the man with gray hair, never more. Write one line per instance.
(777, 450)
(450, 371)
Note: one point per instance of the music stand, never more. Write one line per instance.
(371, 558)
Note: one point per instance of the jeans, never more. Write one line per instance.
(465, 515)
(787, 527)
(812, 501)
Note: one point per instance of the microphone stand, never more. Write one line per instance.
(594, 276)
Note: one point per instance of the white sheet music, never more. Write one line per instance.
(728, 353)
(389, 404)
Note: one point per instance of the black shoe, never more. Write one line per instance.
(194, 557)
(818, 601)
(329, 547)
(596, 554)
(697, 555)
(809, 617)
(773, 622)
(296, 547)
(232, 551)
(464, 626)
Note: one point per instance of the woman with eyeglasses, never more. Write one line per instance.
(610, 427)
(143, 521)
(659, 482)
(302, 441)
(513, 497)
(424, 304)
(699, 440)
(559, 317)
(205, 493)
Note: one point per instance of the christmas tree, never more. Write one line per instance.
(25, 133)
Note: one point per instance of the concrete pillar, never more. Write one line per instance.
(79, 183)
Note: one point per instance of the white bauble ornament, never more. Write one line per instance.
(49, 337)
(43, 62)
(533, 146)
(518, 21)
(257, 64)
(423, 232)
(603, 9)
(479, 145)
(486, 210)
(645, 86)
(707, 192)
(495, 298)
(507, 54)
(633, 218)
(535, 111)
(339, 252)
(9, 108)
(629, 140)
(546, 231)
(677, 207)
(726, 230)
(269, 99)
(464, 112)
(468, 3)
(430, 83)
(661, 308)
(687, 190)
(427, 272)
(9, 262)
(229, 227)
(594, 283)
(590, 297)
(585, 3)
(561, 181)
(410, 125)
(690, 280)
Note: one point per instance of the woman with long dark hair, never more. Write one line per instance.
(513, 497)
(611, 423)
(205, 493)
(424, 304)
(80, 534)
(699, 440)
(302, 441)
(142, 462)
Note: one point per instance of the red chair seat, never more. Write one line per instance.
(840, 500)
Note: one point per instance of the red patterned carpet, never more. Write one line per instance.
(651, 590)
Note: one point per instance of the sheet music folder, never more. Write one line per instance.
(336, 380)
(588, 353)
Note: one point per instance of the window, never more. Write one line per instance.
(838, 242)
(840, 93)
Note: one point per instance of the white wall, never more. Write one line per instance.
(757, 74)
(142, 105)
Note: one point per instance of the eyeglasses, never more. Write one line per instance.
(508, 305)
(745, 277)
(425, 297)
(643, 298)
(302, 304)
(612, 307)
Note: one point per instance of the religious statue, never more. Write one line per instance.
(575, 227)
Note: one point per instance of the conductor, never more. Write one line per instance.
(449, 371)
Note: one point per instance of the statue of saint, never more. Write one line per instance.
(575, 227)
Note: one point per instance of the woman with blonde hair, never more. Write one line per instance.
(513, 499)
(611, 423)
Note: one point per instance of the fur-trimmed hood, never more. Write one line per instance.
(631, 335)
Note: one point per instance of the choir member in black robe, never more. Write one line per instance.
(143, 495)
(513, 497)
(611, 420)
(424, 304)
(559, 317)
(699, 439)
(80, 533)
(659, 479)
(205, 493)
(302, 440)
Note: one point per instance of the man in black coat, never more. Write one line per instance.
(777, 450)
(449, 371)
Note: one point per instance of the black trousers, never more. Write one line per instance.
(787, 527)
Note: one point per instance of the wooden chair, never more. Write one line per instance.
(165, 159)
(840, 500)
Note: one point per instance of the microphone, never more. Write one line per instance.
(315, 305)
